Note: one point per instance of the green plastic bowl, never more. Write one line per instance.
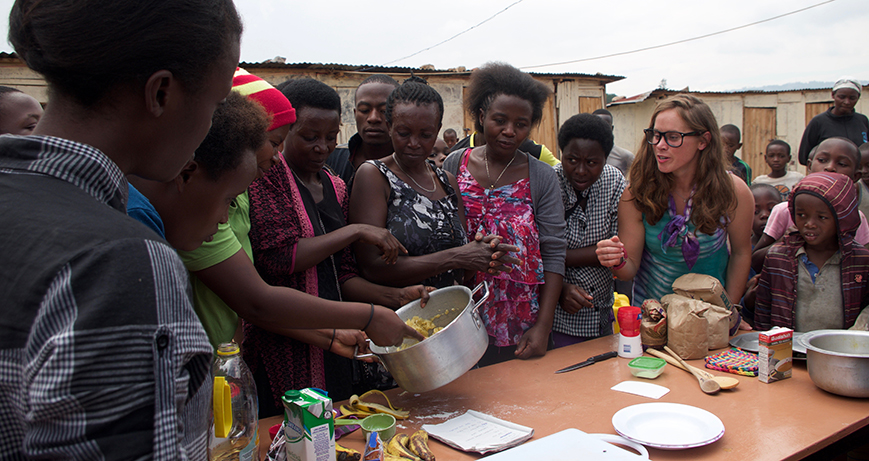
(647, 367)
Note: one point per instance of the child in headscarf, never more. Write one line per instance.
(799, 283)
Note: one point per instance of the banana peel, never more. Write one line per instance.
(362, 406)
(346, 454)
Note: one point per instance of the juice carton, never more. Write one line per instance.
(775, 354)
(309, 427)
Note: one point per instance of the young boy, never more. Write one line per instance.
(450, 138)
(799, 284)
(766, 197)
(730, 137)
(777, 156)
(590, 191)
(836, 155)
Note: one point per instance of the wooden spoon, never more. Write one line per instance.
(707, 385)
(726, 382)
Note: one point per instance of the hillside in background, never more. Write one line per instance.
(794, 86)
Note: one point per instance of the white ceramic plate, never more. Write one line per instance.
(668, 426)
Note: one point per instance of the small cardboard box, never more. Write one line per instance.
(309, 426)
(775, 354)
(703, 287)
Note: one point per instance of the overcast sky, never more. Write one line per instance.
(819, 44)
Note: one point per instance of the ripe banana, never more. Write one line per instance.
(346, 454)
(419, 445)
(398, 447)
(389, 457)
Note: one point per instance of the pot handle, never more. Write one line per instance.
(619, 440)
(357, 355)
(484, 297)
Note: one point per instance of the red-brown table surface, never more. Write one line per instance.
(785, 420)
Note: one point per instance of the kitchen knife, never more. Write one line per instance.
(591, 360)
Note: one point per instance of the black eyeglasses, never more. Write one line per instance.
(672, 138)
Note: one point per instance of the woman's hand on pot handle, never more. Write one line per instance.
(610, 252)
(346, 343)
(387, 329)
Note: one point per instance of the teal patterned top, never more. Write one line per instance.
(662, 265)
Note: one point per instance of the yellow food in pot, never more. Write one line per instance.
(425, 327)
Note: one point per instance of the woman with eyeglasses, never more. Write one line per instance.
(681, 208)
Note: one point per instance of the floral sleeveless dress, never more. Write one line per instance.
(508, 212)
(424, 226)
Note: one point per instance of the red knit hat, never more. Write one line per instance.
(275, 103)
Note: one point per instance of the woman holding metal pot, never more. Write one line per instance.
(417, 202)
(300, 240)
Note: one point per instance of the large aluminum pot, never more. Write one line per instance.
(445, 355)
(838, 361)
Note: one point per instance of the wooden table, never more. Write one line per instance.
(785, 420)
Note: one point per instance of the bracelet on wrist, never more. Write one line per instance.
(370, 318)
(332, 342)
(624, 260)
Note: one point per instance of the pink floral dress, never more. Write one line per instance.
(508, 212)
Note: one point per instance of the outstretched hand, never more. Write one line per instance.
(383, 240)
(414, 292)
(387, 329)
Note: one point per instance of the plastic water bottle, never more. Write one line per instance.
(233, 433)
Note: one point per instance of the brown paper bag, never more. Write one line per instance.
(687, 328)
(718, 320)
(653, 328)
(703, 287)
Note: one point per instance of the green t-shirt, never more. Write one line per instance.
(218, 319)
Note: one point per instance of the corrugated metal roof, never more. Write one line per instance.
(365, 68)
(667, 92)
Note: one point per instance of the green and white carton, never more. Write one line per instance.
(309, 427)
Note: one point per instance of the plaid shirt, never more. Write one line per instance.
(101, 354)
(597, 222)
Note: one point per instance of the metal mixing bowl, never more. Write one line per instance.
(838, 361)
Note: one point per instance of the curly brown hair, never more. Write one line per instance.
(714, 194)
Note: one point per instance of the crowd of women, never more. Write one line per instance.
(103, 350)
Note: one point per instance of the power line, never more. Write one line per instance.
(460, 33)
(680, 41)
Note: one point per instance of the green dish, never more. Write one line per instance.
(647, 367)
